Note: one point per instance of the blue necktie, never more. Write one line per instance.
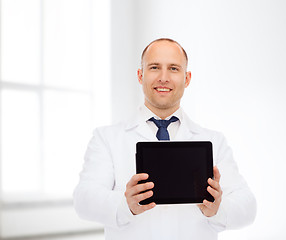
(162, 133)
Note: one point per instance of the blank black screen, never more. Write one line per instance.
(179, 170)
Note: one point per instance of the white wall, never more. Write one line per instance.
(237, 57)
(123, 75)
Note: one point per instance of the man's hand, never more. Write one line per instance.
(210, 209)
(134, 193)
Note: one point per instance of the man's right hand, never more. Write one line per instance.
(135, 193)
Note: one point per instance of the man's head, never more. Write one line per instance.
(163, 39)
(163, 76)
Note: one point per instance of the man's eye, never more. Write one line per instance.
(154, 67)
(174, 69)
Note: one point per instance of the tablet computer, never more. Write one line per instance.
(179, 170)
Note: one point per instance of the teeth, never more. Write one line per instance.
(163, 89)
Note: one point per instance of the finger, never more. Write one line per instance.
(216, 174)
(142, 196)
(206, 207)
(143, 208)
(208, 204)
(200, 205)
(138, 189)
(214, 184)
(134, 200)
(136, 178)
(148, 206)
(216, 195)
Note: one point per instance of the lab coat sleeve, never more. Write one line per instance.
(238, 205)
(94, 197)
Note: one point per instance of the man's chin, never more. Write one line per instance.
(163, 106)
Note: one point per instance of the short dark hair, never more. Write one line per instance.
(163, 39)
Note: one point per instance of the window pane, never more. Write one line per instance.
(20, 141)
(67, 41)
(20, 40)
(67, 130)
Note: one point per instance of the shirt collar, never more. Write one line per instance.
(146, 114)
(143, 115)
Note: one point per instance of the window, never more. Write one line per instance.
(54, 83)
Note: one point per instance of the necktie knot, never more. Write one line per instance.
(162, 125)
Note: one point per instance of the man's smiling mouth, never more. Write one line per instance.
(160, 89)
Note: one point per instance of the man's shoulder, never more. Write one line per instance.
(115, 127)
(197, 129)
(131, 121)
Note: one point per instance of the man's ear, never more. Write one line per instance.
(139, 75)
(188, 79)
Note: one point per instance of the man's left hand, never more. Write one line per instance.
(210, 209)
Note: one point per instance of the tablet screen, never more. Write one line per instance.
(179, 170)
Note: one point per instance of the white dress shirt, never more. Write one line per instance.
(110, 163)
(172, 128)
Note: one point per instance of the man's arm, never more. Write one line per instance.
(94, 197)
(238, 204)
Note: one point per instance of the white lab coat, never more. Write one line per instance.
(109, 165)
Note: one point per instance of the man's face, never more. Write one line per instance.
(163, 76)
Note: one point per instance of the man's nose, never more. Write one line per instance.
(164, 76)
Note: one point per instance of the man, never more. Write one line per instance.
(108, 191)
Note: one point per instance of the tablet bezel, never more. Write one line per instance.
(206, 145)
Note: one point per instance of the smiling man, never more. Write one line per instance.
(109, 191)
(164, 77)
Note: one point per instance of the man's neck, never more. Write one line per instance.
(162, 112)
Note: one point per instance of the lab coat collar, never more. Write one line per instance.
(139, 124)
(185, 132)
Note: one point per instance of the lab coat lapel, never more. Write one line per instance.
(187, 129)
(140, 127)
(183, 133)
(144, 130)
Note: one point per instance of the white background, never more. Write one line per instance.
(237, 56)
